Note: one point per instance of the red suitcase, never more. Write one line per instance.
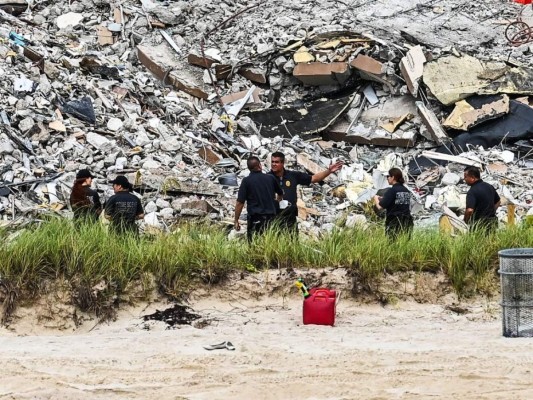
(319, 307)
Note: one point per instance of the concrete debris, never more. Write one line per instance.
(177, 95)
(70, 19)
(13, 7)
(477, 77)
(171, 71)
(256, 75)
(368, 64)
(393, 123)
(370, 95)
(305, 121)
(432, 124)
(466, 115)
(322, 74)
(412, 68)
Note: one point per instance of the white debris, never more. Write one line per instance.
(114, 124)
(69, 19)
(96, 140)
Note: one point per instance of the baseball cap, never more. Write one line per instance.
(83, 174)
(122, 181)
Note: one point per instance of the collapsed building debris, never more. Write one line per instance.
(177, 95)
(477, 77)
(305, 121)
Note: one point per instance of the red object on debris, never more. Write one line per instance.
(523, 1)
(319, 307)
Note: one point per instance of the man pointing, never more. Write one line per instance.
(289, 181)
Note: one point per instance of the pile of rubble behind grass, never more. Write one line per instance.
(177, 95)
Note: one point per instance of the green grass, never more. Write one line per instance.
(102, 267)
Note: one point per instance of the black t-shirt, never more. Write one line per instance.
(289, 182)
(397, 201)
(90, 210)
(258, 190)
(481, 198)
(123, 208)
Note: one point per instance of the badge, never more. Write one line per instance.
(288, 183)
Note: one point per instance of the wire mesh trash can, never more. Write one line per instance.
(516, 275)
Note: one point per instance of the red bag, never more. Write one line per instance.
(523, 1)
(319, 307)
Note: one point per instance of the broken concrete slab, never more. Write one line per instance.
(451, 158)
(196, 208)
(370, 95)
(96, 140)
(368, 64)
(105, 36)
(391, 124)
(361, 134)
(57, 125)
(69, 19)
(304, 121)
(168, 68)
(309, 165)
(465, 115)
(412, 68)
(254, 98)
(391, 108)
(441, 77)
(476, 77)
(196, 58)
(319, 74)
(303, 56)
(514, 126)
(432, 124)
(253, 74)
(209, 155)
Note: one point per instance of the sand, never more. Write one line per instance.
(404, 350)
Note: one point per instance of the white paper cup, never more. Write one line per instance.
(283, 204)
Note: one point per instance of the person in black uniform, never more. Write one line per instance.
(260, 192)
(482, 201)
(397, 202)
(289, 181)
(123, 208)
(85, 201)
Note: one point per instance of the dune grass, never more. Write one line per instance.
(101, 266)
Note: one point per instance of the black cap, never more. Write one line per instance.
(84, 174)
(122, 181)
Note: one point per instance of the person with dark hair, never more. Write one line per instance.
(123, 208)
(259, 191)
(482, 201)
(85, 201)
(397, 202)
(289, 181)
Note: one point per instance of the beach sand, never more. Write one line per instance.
(404, 350)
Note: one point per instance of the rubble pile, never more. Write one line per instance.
(176, 95)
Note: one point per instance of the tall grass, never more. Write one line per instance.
(101, 266)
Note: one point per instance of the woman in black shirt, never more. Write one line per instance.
(397, 202)
(85, 202)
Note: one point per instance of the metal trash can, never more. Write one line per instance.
(516, 275)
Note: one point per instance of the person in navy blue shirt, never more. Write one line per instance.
(261, 193)
(397, 202)
(123, 208)
(482, 201)
(289, 181)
